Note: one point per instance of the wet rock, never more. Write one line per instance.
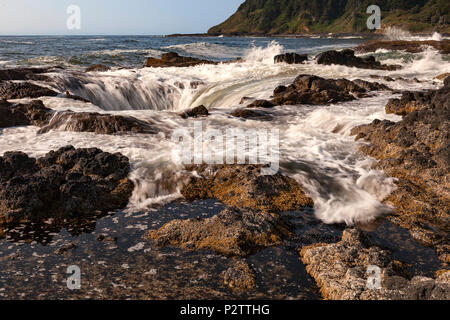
(24, 74)
(244, 100)
(195, 112)
(408, 46)
(291, 58)
(416, 151)
(173, 59)
(15, 90)
(308, 89)
(232, 232)
(261, 104)
(97, 68)
(98, 123)
(65, 183)
(251, 114)
(353, 269)
(65, 249)
(239, 276)
(33, 113)
(347, 58)
(68, 95)
(243, 186)
(443, 76)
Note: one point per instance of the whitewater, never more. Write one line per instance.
(316, 147)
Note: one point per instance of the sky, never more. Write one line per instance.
(113, 17)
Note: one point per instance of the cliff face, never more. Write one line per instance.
(303, 16)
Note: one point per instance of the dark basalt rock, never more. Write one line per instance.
(195, 112)
(65, 183)
(33, 113)
(96, 122)
(308, 89)
(24, 74)
(342, 271)
(14, 90)
(347, 58)
(232, 232)
(409, 46)
(416, 151)
(239, 276)
(173, 59)
(97, 68)
(261, 104)
(251, 114)
(291, 58)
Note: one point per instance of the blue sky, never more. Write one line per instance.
(105, 17)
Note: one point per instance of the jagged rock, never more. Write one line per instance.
(195, 112)
(291, 58)
(24, 74)
(97, 68)
(347, 58)
(251, 114)
(416, 151)
(96, 122)
(342, 271)
(243, 186)
(14, 90)
(232, 232)
(308, 89)
(239, 276)
(406, 45)
(261, 104)
(443, 76)
(65, 183)
(33, 113)
(173, 59)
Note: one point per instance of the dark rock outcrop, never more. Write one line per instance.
(251, 114)
(291, 58)
(347, 58)
(33, 113)
(97, 68)
(96, 122)
(15, 90)
(416, 151)
(232, 232)
(24, 74)
(199, 111)
(308, 89)
(261, 104)
(408, 46)
(243, 186)
(65, 183)
(173, 59)
(342, 271)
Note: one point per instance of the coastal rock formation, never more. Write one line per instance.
(173, 59)
(33, 113)
(65, 183)
(19, 90)
(291, 58)
(251, 114)
(195, 112)
(240, 276)
(243, 186)
(416, 150)
(96, 122)
(261, 104)
(97, 68)
(353, 269)
(347, 58)
(308, 89)
(24, 74)
(232, 232)
(408, 46)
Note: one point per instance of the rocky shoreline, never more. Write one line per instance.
(256, 214)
